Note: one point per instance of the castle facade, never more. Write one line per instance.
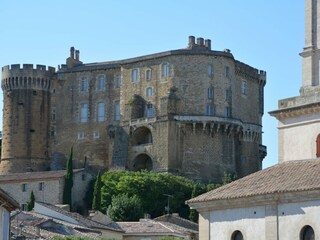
(194, 112)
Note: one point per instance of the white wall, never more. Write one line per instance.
(294, 216)
(297, 137)
(250, 221)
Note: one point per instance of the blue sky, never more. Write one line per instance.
(266, 34)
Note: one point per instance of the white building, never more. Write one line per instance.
(283, 201)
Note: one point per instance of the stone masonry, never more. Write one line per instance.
(194, 112)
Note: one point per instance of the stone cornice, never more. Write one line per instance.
(296, 111)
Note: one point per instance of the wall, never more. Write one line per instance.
(297, 137)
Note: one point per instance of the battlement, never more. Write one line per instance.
(201, 43)
(28, 67)
(27, 77)
(253, 73)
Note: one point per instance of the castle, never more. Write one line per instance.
(194, 112)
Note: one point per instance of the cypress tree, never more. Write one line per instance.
(68, 181)
(30, 203)
(96, 204)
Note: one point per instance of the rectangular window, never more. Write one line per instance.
(24, 187)
(227, 112)
(226, 71)
(41, 186)
(210, 93)
(117, 81)
(210, 71)
(165, 70)
(148, 74)
(135, 75)
(96, 135)
(80, 135)
(84, 85)
(24, 207)
(101, 112)
(227, 94)
(150, 110)
(101, 83)
(149, 92)
(210, 110)
(84, 113)
(244, 87)
(117, 110)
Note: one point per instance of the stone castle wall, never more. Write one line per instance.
(194, 112)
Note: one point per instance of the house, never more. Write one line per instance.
(47, 221)
(47, 186)
(7, 204)
(280, 202)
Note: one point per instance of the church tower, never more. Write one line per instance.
(299, 117)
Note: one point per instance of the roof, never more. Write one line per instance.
(7, 201)
(48, 227)
(179, 221)
(148, 227)
(82, 220)
(291, 176)
(35, 175)
(117, 64)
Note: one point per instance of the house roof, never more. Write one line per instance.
(7, 201)
(47, 227)
(82, 220)
(29, 176)
(179, 221)
(148, 227)
(291, 176)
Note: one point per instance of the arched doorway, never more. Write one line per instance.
(237, 235)
(141, 136)
(142, 162)
(318, 145)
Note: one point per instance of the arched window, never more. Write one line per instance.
(318, 145)
(237, 235)
(307, 233)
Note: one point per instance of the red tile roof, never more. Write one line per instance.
(291, 176)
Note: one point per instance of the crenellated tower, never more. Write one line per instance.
(26, 118)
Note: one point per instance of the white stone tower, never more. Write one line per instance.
(299, 117)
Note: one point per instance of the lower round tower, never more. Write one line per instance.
(26, 118)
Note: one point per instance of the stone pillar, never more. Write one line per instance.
(311, 53)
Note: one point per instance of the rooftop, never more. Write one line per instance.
(291, 176)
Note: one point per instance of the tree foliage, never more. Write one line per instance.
(30, 203)
(68, 181)
(96, 205)
(125, 208)
(196, 191)
(151, 188)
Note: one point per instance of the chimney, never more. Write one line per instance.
(77, 55)
(72, 52)
(200, 41)
(191, 41)
(208, 44)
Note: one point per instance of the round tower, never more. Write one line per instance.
(26, 118)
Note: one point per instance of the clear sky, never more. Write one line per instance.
(266, 34)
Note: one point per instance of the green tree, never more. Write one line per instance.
(30, 203)
(196, 191)
(96, 205)
(68, 181)
(125, 208)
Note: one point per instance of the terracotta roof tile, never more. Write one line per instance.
(35, 175)
(291, 176)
